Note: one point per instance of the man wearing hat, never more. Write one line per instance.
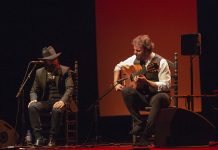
(51, 91)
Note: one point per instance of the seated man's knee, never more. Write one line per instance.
(128, 91)
(32, 106)
(161, 99)
(58, 110)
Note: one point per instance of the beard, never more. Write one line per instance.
(143, 56)
(50, 68)
(139, 57)
(55, 69)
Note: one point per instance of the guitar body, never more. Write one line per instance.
(127, 72)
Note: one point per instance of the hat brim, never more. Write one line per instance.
(52, 57)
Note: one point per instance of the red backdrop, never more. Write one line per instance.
(119, 21)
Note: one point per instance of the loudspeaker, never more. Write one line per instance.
(191, 44)
(8, 136)
(180, 127)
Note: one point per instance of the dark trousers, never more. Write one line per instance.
(135, 100)
(45, 106)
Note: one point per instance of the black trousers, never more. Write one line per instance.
(135, 100)
(45, 106)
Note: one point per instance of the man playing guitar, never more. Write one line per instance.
(148, 84)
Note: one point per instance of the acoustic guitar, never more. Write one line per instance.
(129, 72)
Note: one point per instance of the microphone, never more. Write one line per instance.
(121, 80)
(37, 62)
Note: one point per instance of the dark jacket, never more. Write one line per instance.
(64, 85)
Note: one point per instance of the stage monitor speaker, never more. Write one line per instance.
(191, 44)
(8, 136)
(180, 127)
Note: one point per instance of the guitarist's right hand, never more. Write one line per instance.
(119, 87)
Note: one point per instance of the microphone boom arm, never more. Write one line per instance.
(24, 82)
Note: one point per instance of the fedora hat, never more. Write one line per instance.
(48, 53)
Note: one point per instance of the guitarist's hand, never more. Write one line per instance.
(119, 87)
(140, 80)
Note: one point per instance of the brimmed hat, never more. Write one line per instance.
(48, 53)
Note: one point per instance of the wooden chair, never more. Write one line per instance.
(71, 133)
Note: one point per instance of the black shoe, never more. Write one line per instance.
(143, 141)
(52, 142)
(137, 129)
(40, 142)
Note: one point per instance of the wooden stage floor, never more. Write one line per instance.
(113, 146)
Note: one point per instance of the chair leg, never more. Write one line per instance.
(71, 128)
(133, 136)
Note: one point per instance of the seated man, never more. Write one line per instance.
(151, 85)
(51, 90)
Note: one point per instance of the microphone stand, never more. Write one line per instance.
(24, 82)
(96, 107)
(23, 122)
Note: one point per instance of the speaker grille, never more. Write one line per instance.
(180, 127)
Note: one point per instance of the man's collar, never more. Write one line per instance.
(151, 56)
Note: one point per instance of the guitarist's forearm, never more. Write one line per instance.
(152, 84)
(116, 75)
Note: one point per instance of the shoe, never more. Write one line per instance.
(52, 142)
(143, 141)
(40, 142)
(137, 129)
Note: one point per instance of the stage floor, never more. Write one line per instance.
(113, 146)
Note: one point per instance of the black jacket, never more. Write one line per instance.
(64, 85)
